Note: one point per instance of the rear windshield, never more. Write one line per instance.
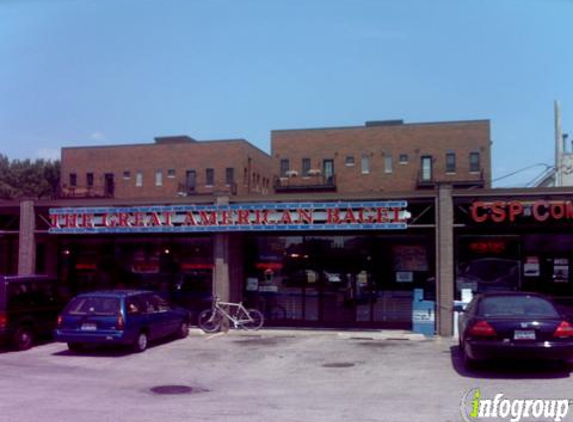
(518, 306)
(93, 306)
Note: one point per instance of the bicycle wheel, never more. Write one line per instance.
(210, 320)
(257, 320)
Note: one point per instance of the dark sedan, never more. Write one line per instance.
(514, 325)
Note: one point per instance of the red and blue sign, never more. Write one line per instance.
(369, 215)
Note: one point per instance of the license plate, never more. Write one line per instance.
(88, 326)
(524, 335)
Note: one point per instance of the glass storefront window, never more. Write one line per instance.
(336, 280)
(179, 268)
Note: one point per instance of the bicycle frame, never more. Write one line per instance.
(234, 312)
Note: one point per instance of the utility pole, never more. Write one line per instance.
(558, 147)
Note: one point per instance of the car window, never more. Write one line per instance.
(33, 293)
(159, 304)
(518, 306)
(93, 306)
(134, 306)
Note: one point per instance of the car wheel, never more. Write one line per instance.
(23, 338)
(183, 330)
(141, 342)
(467, 361)
(75, 347)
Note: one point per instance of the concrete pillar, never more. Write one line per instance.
(221, 279)
(444, 260)
(27, 238)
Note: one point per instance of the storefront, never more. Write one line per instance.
(302, 263)
(515, 242)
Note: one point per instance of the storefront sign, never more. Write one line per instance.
(510, 211)
(388, 215)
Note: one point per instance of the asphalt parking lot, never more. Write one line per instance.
(262, 376)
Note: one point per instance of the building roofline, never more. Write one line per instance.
(391, 125)
(154, 144)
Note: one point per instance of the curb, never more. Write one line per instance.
(302, 332)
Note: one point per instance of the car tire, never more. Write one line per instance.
(183, 331)
(467, 362)
(141, 342)
(75, 347)
(23, 337)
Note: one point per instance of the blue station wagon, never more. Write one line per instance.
(123, 317)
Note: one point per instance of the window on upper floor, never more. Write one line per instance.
(365, 163)
(139, 179)
(210, 177)
(349, 161)
(285, 167)
(90, 180)
(403, 158)
(127, 175)
(387, 164)
(159, 178)
(73, 179)
(229, 175)
(305, 167)
(450, 162)
(426, 165)
(474, 162)
(171, 173)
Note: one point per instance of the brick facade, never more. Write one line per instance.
(387, 156)
(161, 169)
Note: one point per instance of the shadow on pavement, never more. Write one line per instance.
(109, 351)
(510, 369)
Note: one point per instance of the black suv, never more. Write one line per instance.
(29, 307)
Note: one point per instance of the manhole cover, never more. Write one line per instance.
(258, 342)
(175, 389)
(376, 344)
(338, 365)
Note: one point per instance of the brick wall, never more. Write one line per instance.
(253, 169)
(378, 142)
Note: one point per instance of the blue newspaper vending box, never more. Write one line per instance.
(423, 314)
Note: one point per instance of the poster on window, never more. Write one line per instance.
(531, 267)
(561, 270)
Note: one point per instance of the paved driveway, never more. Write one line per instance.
(267, 376)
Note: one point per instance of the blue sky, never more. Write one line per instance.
(88, 72)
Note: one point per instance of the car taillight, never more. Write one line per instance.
(564, 329)
(3, 320)
(482, 329)
(120, 322)
(59, 322)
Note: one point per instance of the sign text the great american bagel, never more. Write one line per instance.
(292, 216)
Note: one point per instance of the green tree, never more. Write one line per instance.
(26, 178)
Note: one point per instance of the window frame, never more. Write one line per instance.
(365, 163)
(474, 165)
(451, 162)
(210, 177)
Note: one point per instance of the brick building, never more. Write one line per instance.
(383, 156)
(336, 227)
(172, 166)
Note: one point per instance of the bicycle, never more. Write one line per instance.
(210, 320)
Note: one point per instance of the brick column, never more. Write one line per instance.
(444, 260)
(27, 239)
